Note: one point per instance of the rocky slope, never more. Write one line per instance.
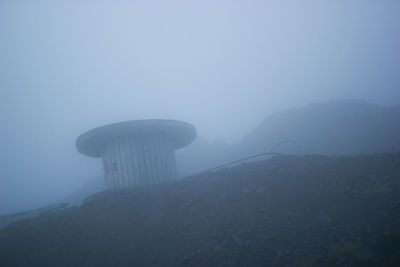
(285, 211)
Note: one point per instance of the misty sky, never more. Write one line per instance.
(67, 66)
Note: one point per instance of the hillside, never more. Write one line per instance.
(341, 127)
(286, 211)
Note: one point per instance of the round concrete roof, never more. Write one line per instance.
(92, 143)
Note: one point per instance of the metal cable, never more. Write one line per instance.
(271, 153)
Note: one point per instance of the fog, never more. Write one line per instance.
(69, 66)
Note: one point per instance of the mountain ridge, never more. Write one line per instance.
(339, 127)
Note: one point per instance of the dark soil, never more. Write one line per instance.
(286, 211)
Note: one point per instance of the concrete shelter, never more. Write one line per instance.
(137, 152)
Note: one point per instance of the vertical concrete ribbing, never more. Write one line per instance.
(143, 166)
(157, 148)
(153, 160)
(114, 165)
(106, 167)
(140, 168)
(135, 160)
(139, 160)
(124, 161)
(129, 166)
(146, 157)
(118, 163)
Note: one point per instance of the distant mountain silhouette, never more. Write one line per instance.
(340, 127)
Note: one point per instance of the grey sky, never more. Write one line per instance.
(68, 66)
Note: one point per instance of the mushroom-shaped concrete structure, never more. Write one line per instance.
(137, 152)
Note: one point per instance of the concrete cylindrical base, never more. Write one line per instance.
(138, 160)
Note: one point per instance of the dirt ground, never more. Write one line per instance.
(285, 211)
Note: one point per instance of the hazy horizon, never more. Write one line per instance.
(69, 66)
